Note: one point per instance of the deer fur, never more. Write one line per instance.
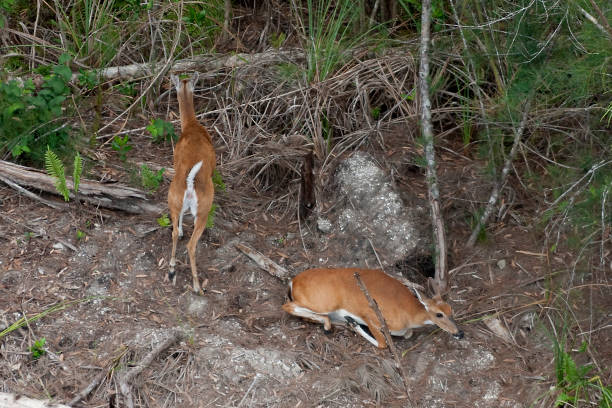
(192, 187)
(332, 295)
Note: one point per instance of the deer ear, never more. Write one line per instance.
(194, 78)
(421, 298)
(175, 81)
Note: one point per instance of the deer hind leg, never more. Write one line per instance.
(175, 236)
(374, 327)
(300, 311)
(204, 205)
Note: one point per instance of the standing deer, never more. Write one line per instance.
(326, 295)
(192, 186)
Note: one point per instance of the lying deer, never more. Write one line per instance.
(326, 295)
(192, 186)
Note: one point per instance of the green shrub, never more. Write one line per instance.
(121, 146)
(161, 130)
(30, 118)
(151, 179)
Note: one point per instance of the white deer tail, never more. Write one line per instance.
(192, 173)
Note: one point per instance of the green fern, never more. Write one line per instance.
(76, 173)
(55, 168)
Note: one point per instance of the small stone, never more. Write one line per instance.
(324, 225)
(501, 264)
(197, 305)
(58, 246)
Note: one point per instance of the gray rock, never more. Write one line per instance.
(375, 210)
(324, 225)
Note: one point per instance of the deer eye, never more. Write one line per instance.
(439, 315)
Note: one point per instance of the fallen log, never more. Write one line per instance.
(202, 63)
(114, 196)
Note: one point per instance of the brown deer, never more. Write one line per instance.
(192, 187)
(326, 295)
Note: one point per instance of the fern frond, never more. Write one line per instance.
(77, 171)
(55, 168)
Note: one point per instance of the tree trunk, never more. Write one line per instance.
(440, 283)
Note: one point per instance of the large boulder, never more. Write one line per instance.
(373, 211)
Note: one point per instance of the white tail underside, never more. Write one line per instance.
(190, 199)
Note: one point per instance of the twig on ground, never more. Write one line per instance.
(87, 390)
(125, 379)
(387, 334)
(518, 135)
(257, 375)
(265, 263)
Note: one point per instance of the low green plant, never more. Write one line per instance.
(37, 350)
(80, 234)
(218, 181)
(30, 118)
(28, 235)
(375, 112)
(164, 221)
(161, 130)
(89, 31)
(328, 35)
(277, 39)
(210, 221)
(151, 179)
(573, 381)
(121, 146)
(55, 168)
(88, 79)
(205, 19)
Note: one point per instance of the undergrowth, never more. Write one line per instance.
(31, 117)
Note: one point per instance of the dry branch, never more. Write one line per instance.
(440, 283)
(8, 400)
(115, 196)
(265, 263)
(518, 134)
(386, 333)
(90, 387)
(126, 378)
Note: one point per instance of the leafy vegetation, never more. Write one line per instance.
(161, 130)
(30, 118)
(164, 221)
(121, 145)
(37, 350)
(151, 179)
(574, 384)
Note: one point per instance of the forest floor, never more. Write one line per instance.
(239, 348)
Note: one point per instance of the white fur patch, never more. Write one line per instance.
(190, 199)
